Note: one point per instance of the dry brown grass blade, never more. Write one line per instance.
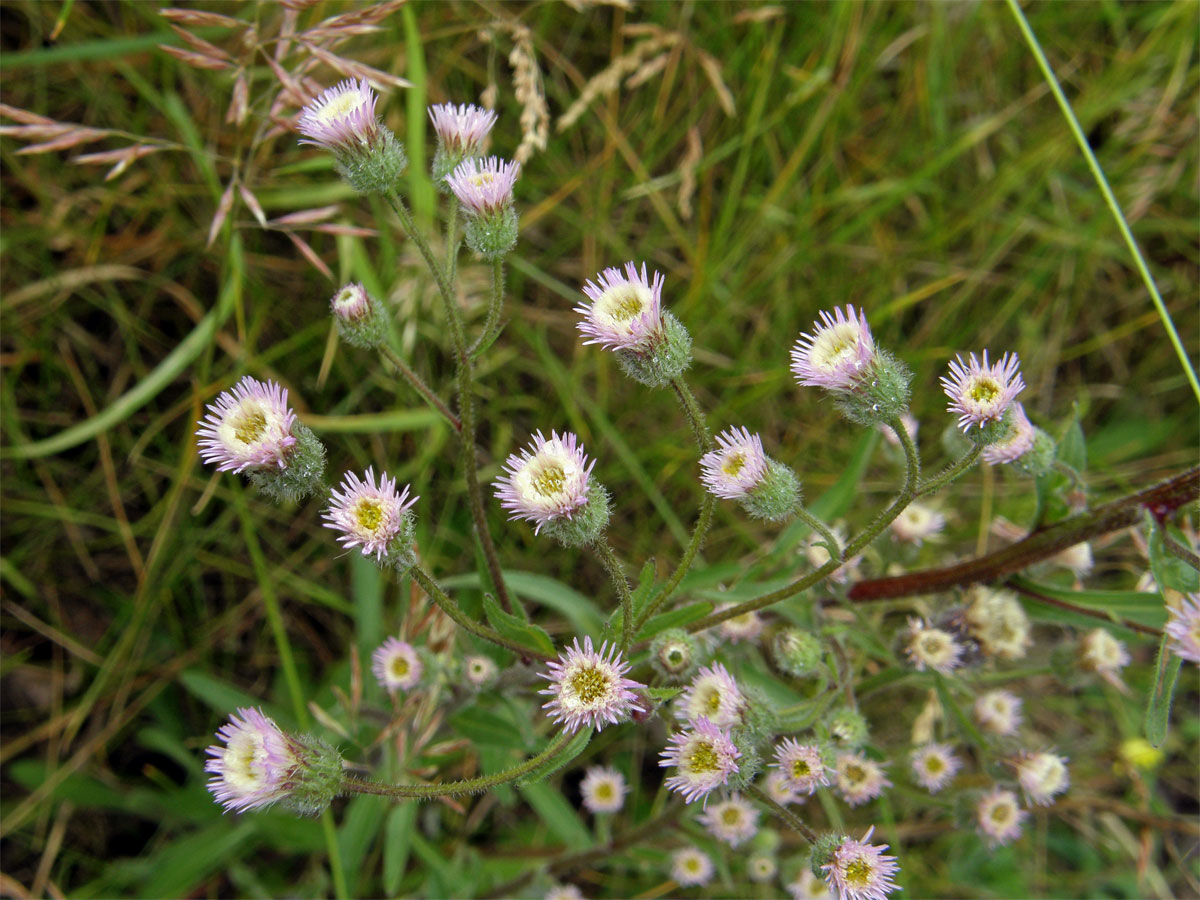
(310, 254)
(239, 103)
(223, 208)
(353, 69)
(712, 69)
(24, 115)
(199, 44)
(608, 80)
(252, 204)
(200, 18)
(307, 216)
(687, 172)
(199, 60)
(74, 138)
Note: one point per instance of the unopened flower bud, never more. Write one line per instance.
(1039, 459)
(795, 652)
(358, 318)
(461, 131)
(847, 727)
(673, 654)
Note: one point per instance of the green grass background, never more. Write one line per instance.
(906, 158)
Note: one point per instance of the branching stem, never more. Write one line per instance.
(457, 788)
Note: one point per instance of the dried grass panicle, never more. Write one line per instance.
(527, 85)
(610, 78)
(687, 172)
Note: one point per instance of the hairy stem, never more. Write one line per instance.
(1161, 500)
(948, 474)
(450, 608)
(873, 530)
(492, 323)
(456, 788)
(835, 549)
(783, 813)
(452, 239)
(704, 441)
(466, 403)
(616, 573)
(1021, 587)
(1175, 548)
(419, 384)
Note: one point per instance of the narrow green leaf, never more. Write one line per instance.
(360, 824)
(220, 696)
(577, 745)
(963, 720)
(557, 814)
(1158, 709)
(1072, 447)
(583, 614)
(524, 633)
(1170, 572)
(675, 618)
(181, 866)
(397, 837)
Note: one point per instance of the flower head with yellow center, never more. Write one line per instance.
(934, 765)
(736, 467)
(484, 187)
(998, 712)
(801, 765)
(691, 867)
(704, 756)
(999, 817)
(603, 790)
(547, 481)
(733, 821)
(1043, 776)
(255, 766)
(397, 665)
(979, 392)
(861, 871)
(342, 119)
(369, 515)
(837, 352)
(248, 427)
(859, 779)
(932, 648)
(625, 312)
(713, 695)
(589, 688)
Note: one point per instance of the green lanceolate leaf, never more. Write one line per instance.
(1158, 709)
(524, 633)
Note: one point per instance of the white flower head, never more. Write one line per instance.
(980, 393)
(248, 427)
(859, 779)
(998, 712)
(396, 665)
(625, 312)
(932, 648)
(801, 765)
(733, 821)
(690, 867)
(1043, 776)
(704, 756)
(999, 817)
(917, 523)
(367, 514)
(1183, 628)
(934, 766)
(713, 695)
(861, 871)
(837, 351)
(603, 789)
(550, 479)
(589, 688)
(736, 467)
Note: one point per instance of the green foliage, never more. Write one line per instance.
(901, 157)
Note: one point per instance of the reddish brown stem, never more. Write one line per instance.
(1160, 500)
